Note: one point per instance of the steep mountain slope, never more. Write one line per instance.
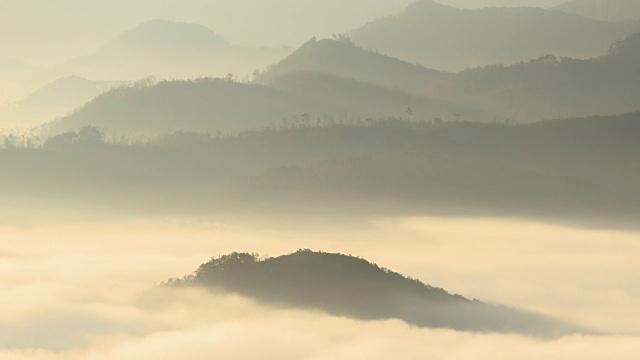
(445, 38)
(349, 286)
(550, 87)
(343, 58)
(609, 10)
(170, 49)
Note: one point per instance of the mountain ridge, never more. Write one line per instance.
(343, 58)
(550, 87)
(449, 39)
(608, 10)
(220, 105)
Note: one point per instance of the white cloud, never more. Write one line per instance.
(83, 291)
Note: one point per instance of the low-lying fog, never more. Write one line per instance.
(87, 291)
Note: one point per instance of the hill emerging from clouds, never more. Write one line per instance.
(445, 38)
(349, 286)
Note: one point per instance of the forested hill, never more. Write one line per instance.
(349, 286)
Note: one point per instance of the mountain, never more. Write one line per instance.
(343, 58)
(549, 87)
(221, 105)
(445, 38)
(608, 10)
(349, 286)
(170, 50)
(54, 100)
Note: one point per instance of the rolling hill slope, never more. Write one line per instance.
(213, 105)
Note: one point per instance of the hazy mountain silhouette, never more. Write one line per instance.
(200, 105)
(349, 286)
(170, 49)
(611, 10)
(68, 92)
(214, 104)
(445, 38)
(343, 58)
(549, 87)
(12, 77)
(54, 100)
(9, 65)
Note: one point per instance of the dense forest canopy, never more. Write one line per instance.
(579, 170)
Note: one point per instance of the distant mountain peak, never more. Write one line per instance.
(164, 32)
(430, 5)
